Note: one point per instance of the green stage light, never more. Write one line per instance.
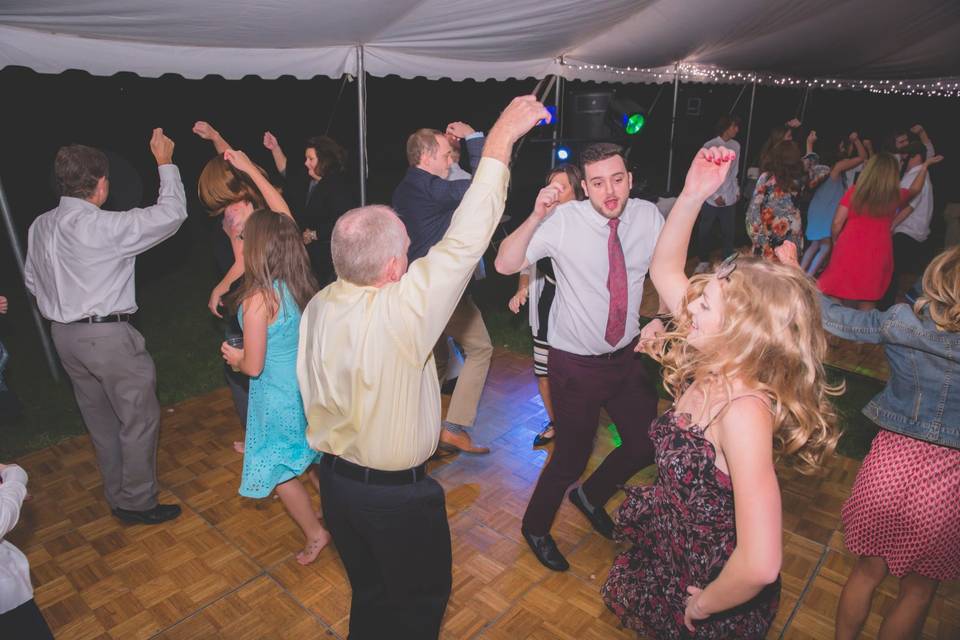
(634, 123)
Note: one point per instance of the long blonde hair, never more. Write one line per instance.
(772, 340)
(941, 291)
(877, 192)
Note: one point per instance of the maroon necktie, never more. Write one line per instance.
(617, 286)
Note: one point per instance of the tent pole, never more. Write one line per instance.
(362, 124)
(673, 122)
(746, 142)
(558, 102)
(803, 105)
(18, 256)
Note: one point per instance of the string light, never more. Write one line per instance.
(933, 87)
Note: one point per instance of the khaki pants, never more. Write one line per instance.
(467, 328)
(115, 384)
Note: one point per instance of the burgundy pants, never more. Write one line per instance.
(579, 387)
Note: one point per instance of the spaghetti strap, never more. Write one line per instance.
(753, 394)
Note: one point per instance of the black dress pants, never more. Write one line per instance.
(394, 542)
(24, 623)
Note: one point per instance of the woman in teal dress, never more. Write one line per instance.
(277, 285)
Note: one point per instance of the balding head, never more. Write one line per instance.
(369, 246)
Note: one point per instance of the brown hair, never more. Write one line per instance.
(771, 338)
(785, 163)
(78, 168)
(777, 135)
(877, 191)
(574, 177)
(726, 121)
(600, 151)
(273, 251)
(331, 157)
(420, 143)
(941, 290)
(221, 185)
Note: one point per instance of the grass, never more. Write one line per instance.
(184, 339)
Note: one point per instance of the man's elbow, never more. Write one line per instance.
(504, 267)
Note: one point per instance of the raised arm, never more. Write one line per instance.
(132, 232)
(207, 132)
(917, 185)
(902, 215)
(279, 158)
(239, 161)
(849, 163)
(924, 138)
(706, 174)
(512, 256)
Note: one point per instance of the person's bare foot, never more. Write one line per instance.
(313, 548)
(238, 446)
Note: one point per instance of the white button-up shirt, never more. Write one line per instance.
(365, 363)
(917, 224)
(15, 587)
(575, 236)
(80, 258)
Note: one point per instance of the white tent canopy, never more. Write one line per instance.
(482, 39)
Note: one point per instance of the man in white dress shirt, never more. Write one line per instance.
(80, 266)
(601, 250)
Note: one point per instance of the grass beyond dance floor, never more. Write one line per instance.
(184, 340)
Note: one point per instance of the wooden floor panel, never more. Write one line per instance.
(226, 567)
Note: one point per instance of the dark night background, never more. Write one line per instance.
(43, 112)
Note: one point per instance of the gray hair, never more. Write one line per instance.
(364, 240)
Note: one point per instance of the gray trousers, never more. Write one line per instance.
(115, 384)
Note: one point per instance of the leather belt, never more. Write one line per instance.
(614, 354)
(113, 317)
(366, 475)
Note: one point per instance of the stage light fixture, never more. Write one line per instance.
(563, 154)
(627, 115)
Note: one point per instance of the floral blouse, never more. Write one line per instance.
(773, 216)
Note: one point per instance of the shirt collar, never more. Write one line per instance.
(602, 221)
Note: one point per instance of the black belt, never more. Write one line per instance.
(614, 354)
(366, 475)
(113, 317)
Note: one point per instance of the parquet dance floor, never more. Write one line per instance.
(226, 569)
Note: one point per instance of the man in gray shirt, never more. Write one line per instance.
(80, 266)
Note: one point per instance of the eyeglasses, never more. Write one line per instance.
(727, 267)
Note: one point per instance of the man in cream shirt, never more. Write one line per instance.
(372, 399)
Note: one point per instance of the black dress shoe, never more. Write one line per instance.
(546, 551)
(598, 517)
(541, 439)
(160, 513)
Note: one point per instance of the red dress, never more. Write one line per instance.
(905, 507)
(861, 264)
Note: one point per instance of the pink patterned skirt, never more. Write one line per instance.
(905, 507)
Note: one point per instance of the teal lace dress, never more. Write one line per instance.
(275, 448)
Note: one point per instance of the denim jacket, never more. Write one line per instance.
(922, 396)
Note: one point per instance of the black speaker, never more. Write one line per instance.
(588, 120)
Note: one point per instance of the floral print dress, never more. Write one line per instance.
(773, 216)
(683, 531)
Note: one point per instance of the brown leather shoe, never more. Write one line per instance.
(460, 441)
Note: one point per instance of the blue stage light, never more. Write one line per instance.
(563, 154)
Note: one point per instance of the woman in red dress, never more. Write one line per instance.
(861, 265)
